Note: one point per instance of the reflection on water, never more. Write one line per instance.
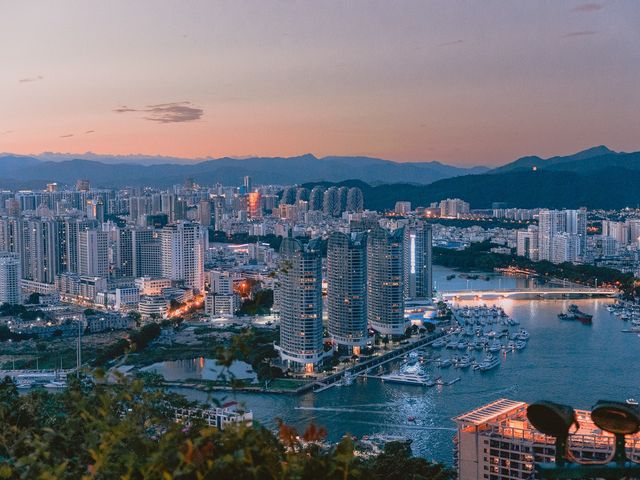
(201, 368)
(565, 361)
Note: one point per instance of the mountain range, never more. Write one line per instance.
(596, 178)
(32, 172)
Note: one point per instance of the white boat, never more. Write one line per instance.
(523, 334)
(495, 346)
(632, 401)
(56, 384)
(488, 363)
(464, 362)
(452, 344)
(520, 345)
(24, 384)
(444, 363)
(408, 379)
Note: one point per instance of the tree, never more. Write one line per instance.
(33, 299)
(98, 430)
(135, 317)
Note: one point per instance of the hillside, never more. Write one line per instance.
(28, 172)
(609, 188)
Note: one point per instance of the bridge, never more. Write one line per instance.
(529, 293)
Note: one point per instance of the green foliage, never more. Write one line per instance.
(138, 340)
(260, 304)
(33, 299)
(126, 430)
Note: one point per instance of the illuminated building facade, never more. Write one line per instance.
(385, 281)
(347, 290)
(300, 297)
(417, 260)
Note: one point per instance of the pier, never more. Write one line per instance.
(367, 365)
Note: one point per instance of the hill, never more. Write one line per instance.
(609, 188)
(28, 172)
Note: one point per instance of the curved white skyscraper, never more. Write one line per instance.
(385, 281)
(300, 297)
(347, 290)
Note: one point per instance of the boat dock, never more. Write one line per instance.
(366, 365)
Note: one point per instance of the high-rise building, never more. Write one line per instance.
(347, 290)
(343, 193)
(124, 253)
(288, 196)
(385, 281)
(93, 253)
(527, 243)
(183, 254)
(418, 273)
(300, 299)
(453, 208)
(316, 198)
(566, 247)
(248, 185)
(577, 225)
(204, 213)
(556, 222)
(41, 250)
(83, 185)
(355, 200)
(331, 202)
(550, 222)
(254, 205)
(402, 208)
(10, 276)
(302, 194)
(218, 211)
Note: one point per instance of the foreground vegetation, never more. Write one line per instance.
(126, 430)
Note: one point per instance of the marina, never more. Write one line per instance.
(559, 361)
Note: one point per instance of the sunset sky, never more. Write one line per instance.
(469, 82)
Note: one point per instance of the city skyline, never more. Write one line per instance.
(466, 85)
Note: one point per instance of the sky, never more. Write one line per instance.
(462, 82)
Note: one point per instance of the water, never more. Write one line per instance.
(564, 361)
(201, 369)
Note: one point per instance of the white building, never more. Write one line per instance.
(220, 282)
(527, 243)
(220, 305)
(183, 247)
(151, 286)
(93, 258)
(566, 248)
(10, 273)
(127, 298)
(453, 208)
(403, 208)
(151, 306)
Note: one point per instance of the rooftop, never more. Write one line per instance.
(489, 412)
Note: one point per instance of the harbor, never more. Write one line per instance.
(561, 360)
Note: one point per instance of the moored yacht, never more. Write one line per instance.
(408, 379)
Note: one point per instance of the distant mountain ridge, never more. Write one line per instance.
(601, 154)
(596, 178)
(19, 171)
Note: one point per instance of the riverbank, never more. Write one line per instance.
(479, 257)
